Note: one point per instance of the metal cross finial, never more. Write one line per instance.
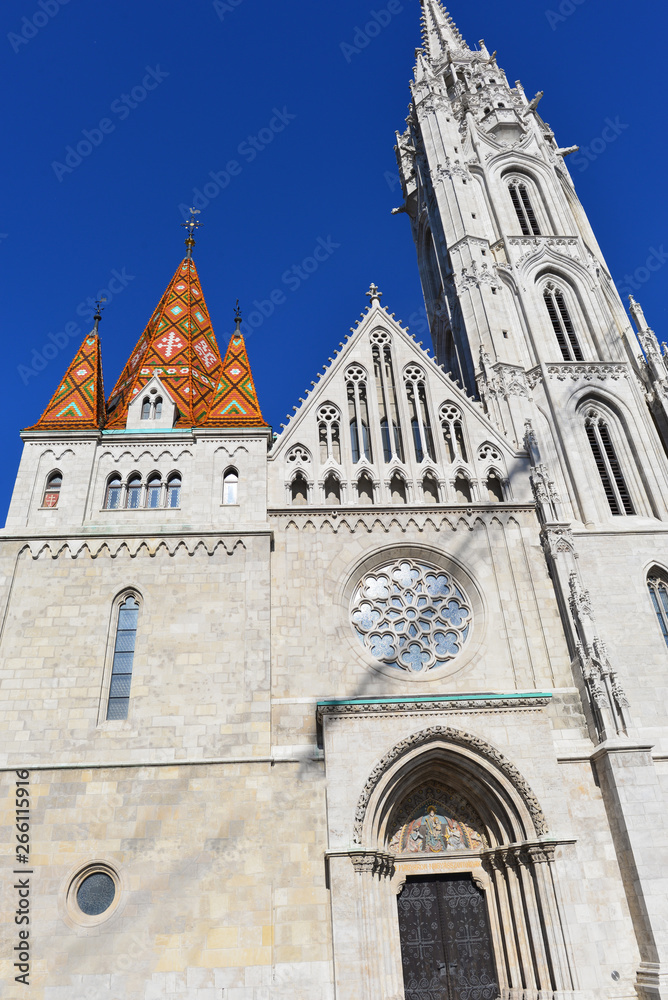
(374, 294)
(237, 315)
(192, 226)
(99, 308)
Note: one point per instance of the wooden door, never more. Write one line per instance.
(446, 946)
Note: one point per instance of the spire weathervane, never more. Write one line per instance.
(99, 309)
(237, 316)
(192, 226)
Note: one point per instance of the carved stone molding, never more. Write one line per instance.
(417, 706)
(133, 547)
(458, 738)
(373, 863)
(558, 540)
(591, 372)
(467, 517)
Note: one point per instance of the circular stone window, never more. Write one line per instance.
(96, 894)
(411, 616)
(93, 894)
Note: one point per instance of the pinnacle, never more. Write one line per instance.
(439, 31)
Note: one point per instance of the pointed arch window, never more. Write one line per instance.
(332, 491)
(231, 488)
(299, 490)
(154, 491)
(114, 492)
(494, 488)
(329, 434)
(524, 209)
(386, 394)
(430, 489)
(146, 409)
(157, 414)
(358, 414)
(658, 593)
(562, 324)
(124, 653)
(52, 490)
(398, 489)
(365, 489)
(607, 463)
(133, 498)
(174, 490)
(453, 432)
(416, 394)
(463, 489)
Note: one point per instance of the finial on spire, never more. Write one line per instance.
(99, 309)
(374, 294)
(192, 226)
(237, 316)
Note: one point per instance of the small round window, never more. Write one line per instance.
(93, 894)
(411, 616)
(96, 894)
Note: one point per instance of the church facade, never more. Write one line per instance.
(373, 708)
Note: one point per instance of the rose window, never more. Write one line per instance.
(411, 616)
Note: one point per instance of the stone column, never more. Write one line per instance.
(512, 989)
(541, 857)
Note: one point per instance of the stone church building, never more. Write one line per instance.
(373, 709)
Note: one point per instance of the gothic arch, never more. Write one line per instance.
(493, 785)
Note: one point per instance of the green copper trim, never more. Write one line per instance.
(419, 699)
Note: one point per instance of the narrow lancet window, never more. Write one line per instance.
(133, 501)
(154, 492)
(52, 491)
(607, 463)
(524, 209)
(658, 592)
(231, 488)
(453, 432)
(329, 434)
(358, 413)
(386, 394)
(562, 324)
(124, 653)
(174, 490)
(420, 423)
(112, 500)
(146, 409)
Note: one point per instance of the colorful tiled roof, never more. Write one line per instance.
(235, 403)
(179, 346)
(78, 403)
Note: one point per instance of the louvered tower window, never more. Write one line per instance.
(608, 465)
(658, 592)
(124, 654)
(562, 324)
(524, 209)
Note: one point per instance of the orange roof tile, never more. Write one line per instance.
(78, 403)
(235, 402)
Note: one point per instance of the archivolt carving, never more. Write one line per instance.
(460, 738)
(132, 547)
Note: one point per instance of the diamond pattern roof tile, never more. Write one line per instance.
(180, 347)
(78, 402)
(235, 403)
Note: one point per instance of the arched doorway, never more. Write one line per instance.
(454, 877)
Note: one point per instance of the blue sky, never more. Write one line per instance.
(310, 125)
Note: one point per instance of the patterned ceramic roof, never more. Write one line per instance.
(78, 403)
(235, 403)
(179, 346)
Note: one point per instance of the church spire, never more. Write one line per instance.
(235, 403)
(178, 346)
(78, 402)
(439, 31)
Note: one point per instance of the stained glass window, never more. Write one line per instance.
(124, 654)
(411, 616)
